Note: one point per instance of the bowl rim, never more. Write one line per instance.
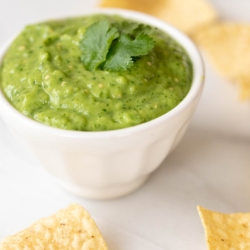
(177, 35)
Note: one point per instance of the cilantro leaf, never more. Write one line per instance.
(96, 43)
(112, 47)
(133, 29)
(126, 27)
(124, 49)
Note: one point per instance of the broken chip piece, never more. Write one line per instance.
(227, 45)
(188, 16)
(226, 231)
(69, 229)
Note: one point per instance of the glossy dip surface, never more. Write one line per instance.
(43, 76)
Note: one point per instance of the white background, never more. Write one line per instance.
(210, 167)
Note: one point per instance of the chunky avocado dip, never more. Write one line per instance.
(46, 77)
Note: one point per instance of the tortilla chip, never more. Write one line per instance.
(228, 46)
(245, 87)
(69, 229)
(188, 16)
(226, 231)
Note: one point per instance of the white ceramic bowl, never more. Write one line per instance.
(109, 164)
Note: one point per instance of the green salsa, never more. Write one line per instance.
(43, 76)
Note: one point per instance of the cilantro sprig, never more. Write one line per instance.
(96, 43)
(107, 48)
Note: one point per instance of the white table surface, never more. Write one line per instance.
(210, 167)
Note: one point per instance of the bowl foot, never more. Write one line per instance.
(103, 193)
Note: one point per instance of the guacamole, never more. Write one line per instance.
(43, 76)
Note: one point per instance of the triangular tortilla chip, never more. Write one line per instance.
(226, 231)
(69, 229)
(188, 16)
(228, 46)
